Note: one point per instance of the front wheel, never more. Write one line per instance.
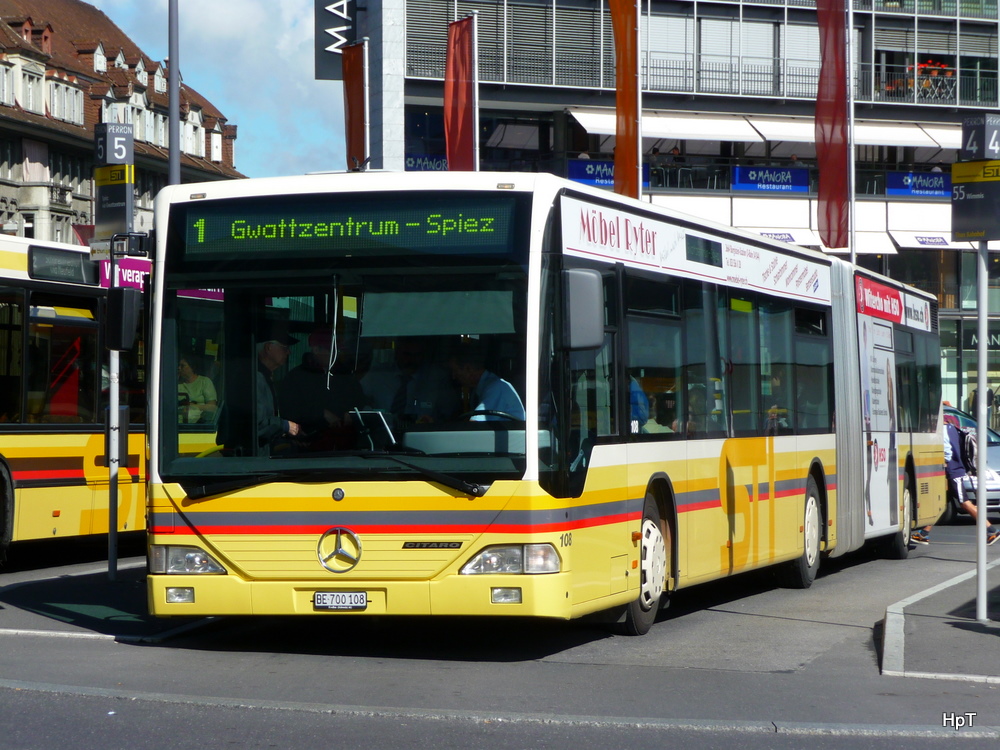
(653, 555)
(801, 572)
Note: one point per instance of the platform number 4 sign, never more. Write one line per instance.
(980, 138)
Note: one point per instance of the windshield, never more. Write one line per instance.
(333, 365)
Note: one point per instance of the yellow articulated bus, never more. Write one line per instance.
(509, 394)
(53, 396)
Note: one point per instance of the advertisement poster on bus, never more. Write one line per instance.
(878, 307)
(641, 241)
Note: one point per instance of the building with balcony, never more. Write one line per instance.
(731, 85)
(65, 67)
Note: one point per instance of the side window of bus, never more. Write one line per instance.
(11, 355)
(703, 396)
(654, 356)
(907, 400)
(777, 371)
(654, 373)
(591, 376)
(928, 377)
(744, 364)
(592, 393)
(63, 369)
(199, 337)
(813, 372)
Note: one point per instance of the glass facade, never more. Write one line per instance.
(927, 61)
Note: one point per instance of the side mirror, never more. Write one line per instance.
(124, 304)
(583, 313)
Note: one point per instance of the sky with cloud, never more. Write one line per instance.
(253, 59)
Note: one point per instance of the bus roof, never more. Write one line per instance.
(545, 187)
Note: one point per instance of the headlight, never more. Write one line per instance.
(515, 558)
(165, 559)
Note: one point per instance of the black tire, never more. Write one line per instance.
(6, 513)
(653, 556)
(898, 545)
(950, 514)
(801, 572)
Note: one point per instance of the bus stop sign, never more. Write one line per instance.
(975, 201)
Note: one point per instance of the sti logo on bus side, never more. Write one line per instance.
(991, 172)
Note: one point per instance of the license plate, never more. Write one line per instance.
(349, 600)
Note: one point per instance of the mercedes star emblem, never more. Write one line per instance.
(339, 550)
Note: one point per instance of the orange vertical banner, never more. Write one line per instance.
(355, 72)
(460, 96)
(624, 23)
(832, 156)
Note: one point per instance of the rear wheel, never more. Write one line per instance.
(950, 513)
(898, 545)
(801, 572)
(653, 555)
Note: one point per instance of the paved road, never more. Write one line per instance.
(736, 662)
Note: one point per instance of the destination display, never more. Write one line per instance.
(342, 225)
(53, 264)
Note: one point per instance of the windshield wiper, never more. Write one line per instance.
(469, 488)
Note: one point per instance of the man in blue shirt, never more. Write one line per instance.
(487, 390)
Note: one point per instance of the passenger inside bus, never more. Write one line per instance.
(695, 412)
(776, 417)
(197, 399)
(320, 393)
(664, 414)
(412, 387)
(272, 354)
(490, 397)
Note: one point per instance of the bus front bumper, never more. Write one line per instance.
(546, 595)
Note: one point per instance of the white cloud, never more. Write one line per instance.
(253, 59)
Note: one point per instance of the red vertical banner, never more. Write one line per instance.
(355, 72)
(832, 157)
(624, 23)
(460, 96)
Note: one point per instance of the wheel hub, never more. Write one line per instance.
(653, 565)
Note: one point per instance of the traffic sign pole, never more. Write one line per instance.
(114, 177)
(975, 215)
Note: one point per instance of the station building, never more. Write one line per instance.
(732, 86)
(65, 67)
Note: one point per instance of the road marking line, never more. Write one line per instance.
(893, 636)
(83, 572)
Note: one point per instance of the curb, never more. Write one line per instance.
(893, 636)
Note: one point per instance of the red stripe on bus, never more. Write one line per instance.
(28, 476)
(403, 529)
(21, 476)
